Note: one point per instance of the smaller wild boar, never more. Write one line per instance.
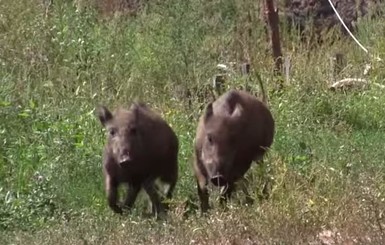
(141, 147)
(234, 131)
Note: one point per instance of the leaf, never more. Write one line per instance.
(32, 104)
(24, 114)
(4, 103)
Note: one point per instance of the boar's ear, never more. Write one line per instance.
(135, 107)
(208, 112)
(103, 114)
(238, 111)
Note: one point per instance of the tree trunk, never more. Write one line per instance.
(271, 13)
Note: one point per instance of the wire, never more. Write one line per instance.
(347, 29)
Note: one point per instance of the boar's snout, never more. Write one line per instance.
(218, 180)
(217, 173)
(124, 157)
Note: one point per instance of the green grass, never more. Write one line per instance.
(327, 163)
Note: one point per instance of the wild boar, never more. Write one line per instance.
(141, 148)
(234, 131)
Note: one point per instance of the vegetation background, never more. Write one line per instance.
(326, 164)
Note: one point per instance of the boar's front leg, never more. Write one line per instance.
(202, 182)
(112, 194)
(149, 187)
(132, 193)
(203, 195)
(226, 193)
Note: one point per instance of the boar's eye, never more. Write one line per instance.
(209, 138)
(112, 132)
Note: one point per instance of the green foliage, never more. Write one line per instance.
(326, 165)
(29, 209)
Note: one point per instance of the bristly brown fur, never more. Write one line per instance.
(141, 147)
(234, 131)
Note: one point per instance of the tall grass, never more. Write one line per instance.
(326, 163)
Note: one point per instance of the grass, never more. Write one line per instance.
(326, 163)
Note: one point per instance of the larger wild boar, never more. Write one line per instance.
(234, 131)
(141, 147)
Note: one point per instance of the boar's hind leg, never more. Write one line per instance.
(132, 193)
(149, 187)
(170, 179)
(169, 192)
(112, 194)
